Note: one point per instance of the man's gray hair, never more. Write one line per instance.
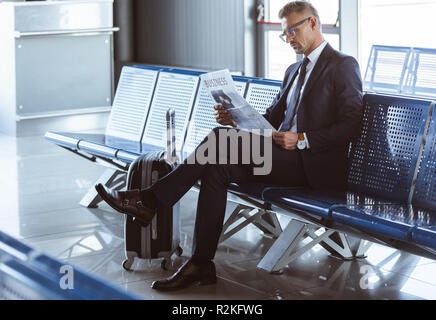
(299, 6)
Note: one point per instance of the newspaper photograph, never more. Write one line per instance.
(222, 90)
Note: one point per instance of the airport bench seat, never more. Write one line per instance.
(254, 190)
(394, 153)
(26, 273)
(401, 70)
(383, 165)
(386, 69)
(136, 123)
(377, 216)
(401, 222)
(96, 144)
(315, 202)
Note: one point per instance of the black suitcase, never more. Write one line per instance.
(161, 238)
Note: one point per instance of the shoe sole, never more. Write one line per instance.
(194, 284)
(102, 193)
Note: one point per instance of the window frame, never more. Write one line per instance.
(346, 28)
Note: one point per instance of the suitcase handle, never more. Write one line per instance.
(171, 136)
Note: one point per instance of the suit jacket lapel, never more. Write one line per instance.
(291, 78)
(321, 64)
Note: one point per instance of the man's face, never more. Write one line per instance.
(304, 36)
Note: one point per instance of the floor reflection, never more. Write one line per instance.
(40, 192)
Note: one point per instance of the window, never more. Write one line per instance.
(395, 23)
(278, 55)
(327, 9)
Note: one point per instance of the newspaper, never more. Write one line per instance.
(221, 88)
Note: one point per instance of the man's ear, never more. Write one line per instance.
(313, 22)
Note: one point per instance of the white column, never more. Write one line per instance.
(349, 27)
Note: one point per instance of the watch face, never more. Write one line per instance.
(301, 144)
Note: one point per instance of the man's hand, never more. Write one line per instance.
(223, 117)
(286, 140)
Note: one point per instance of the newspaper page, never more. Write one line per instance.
(220, 86)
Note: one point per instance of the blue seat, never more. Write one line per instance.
(377, 206)
(386, 69)
(384, 159)
(13, 247)
(378, 220)
(361, 212)
(32, 284)
(131, 106)
(315, 202)
(261, 93)
(126, 121)
(126, 156)
(421, 78)
(94, 144)
(425, 235)
(424, 197)
(377, 172)
(25, 274)
(254, 190)
(63, 139)
(382, 169)
(85, 286)
(407, 223)
(425, 190)
(135, 99)
(416, 223)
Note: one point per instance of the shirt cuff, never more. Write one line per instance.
(307, 141)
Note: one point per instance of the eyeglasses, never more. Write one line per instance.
(291, 30)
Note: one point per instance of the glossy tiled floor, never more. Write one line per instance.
(40, 189)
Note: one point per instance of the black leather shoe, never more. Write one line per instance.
(188, 275)
(127, 202)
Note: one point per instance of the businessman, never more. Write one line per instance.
(317, 113)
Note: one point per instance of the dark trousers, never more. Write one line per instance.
(286, 170)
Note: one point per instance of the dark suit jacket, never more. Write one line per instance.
(330, 113)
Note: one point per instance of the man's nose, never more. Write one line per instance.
(289, 37)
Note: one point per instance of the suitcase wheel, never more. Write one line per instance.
(127, 264)
(179, 251)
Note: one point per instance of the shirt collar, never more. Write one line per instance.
(314, 55)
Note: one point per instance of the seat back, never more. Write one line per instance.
(383, 160)
(421, 79)
(261, 93)
(130, 108)
(174, 89)
(27, 274)
(425, 191)
(386, 69)
(203, 119)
